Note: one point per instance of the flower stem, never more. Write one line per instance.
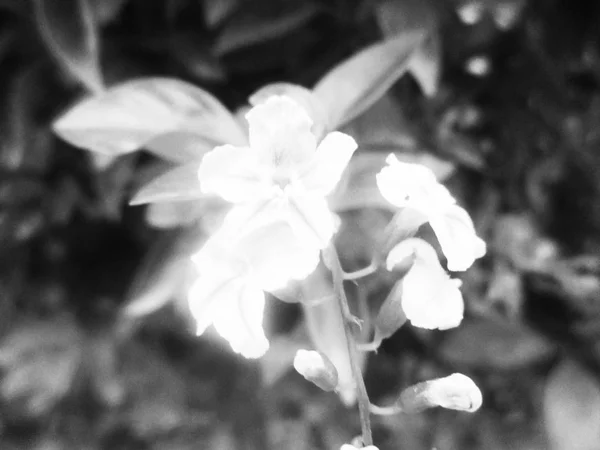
(361, 391)
(369, 270)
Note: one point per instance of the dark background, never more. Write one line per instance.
(523, 138)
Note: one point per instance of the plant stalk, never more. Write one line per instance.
(361, 391)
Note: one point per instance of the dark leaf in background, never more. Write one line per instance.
(164, 276)
(395, 17)
(251, 30)
(70, 31)
(383, 127)
(572, 408)
(354, 85)
(40, 361)
(128, 116)
(105, 11)
(192, 52)
(217, 12)
(495, 345)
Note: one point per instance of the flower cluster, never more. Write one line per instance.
(279, 221)
(430, 298)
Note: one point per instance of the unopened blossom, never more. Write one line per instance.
(408, 185)
(316, 368)
(429, 297)
(234, 272)
(456, 391)
(283, 173)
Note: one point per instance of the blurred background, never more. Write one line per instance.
(97, 349)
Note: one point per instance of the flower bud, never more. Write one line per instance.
(317, 368)
(456, 391)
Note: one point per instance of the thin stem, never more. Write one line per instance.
(361, 390)
(385, 410)
(361, 273)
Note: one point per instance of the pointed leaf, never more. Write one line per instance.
(246, 33)
(180, 147)
(132, 114)
(396, 17)
(180, 183)
(70, 32)
(358, 82)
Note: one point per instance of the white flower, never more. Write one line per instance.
(316, 368)
(456, 391)
(234, 272)
(430, 298)
(284, 173)
(414, 186)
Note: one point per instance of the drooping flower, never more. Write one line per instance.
(316, 368)
(283, 173)
(414, 186)
(430, 298)
(235, 270)
(456, 391)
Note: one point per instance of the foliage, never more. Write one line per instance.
(501, 102)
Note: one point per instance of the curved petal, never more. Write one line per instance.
(280, 132)
(275, 255)
(311, 219)
(233, 173)
(414, 185)
(456, 234)
(239, 318)
(430, 299)
(330, 160)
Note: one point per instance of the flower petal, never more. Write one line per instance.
(233, 173)
(407, 184)
(330, 160)
(239, 318)
(280, 132)
(430, 299)
(275, 255)
(456, 235)
(311, 219)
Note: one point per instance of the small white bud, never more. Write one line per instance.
(316, 368)
(456, 391)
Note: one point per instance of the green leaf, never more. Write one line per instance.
(572, 408)
(39, 361)
(70, 31)
(358, 82)
(130, 115)
(180, 183)
(248, 32)
(180, 147)
(217, 12)
(395, 17)
(495, 344)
